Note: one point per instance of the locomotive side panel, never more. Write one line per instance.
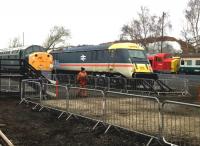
(93, 61)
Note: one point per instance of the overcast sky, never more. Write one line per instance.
(89, 21)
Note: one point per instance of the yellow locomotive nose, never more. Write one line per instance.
(41, 61)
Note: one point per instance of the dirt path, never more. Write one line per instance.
(25, 127)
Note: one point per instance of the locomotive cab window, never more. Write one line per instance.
(168, 56)
(136, 54)
(158, 59)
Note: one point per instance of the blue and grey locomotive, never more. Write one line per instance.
(124, 59)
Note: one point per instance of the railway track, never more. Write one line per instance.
(4, 141)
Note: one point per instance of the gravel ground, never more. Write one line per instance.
(26, 127)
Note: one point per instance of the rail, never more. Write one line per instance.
(5, 140)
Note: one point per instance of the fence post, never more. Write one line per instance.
(56, 88)
(0, 76)
(22, 90)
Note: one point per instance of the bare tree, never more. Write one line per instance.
(57, 36)
(15, 43)
(145, 26)
(191, 30)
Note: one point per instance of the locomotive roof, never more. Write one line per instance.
(17, 48)
(108, 46)
(196, 55)
(83, 48)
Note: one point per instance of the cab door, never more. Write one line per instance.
(158, 63)
(111, 64)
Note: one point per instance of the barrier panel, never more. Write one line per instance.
(117, 84)
(31, 90)
(181, 123)
(136, 113)
(141, 86)
(91, 82)
(177, 85)
(10, 84)
(64, 79)
(97, 82)
(54, 96)
(166, 87)
(107, 83)
(101, 83)
(194, 90)
(86, 102)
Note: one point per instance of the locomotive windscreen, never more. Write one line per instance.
(34, 48)
(137, 55)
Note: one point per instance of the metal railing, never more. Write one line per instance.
(86, 102)
(54, 97)
(31, 91)
(181, 123)
(10, 83)
(139, 86)
(136, 113)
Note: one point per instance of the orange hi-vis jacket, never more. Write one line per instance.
(82, 78)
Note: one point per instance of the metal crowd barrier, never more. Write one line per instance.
(117, 84)
(63, 79)
(10, 84)
(139, 86)
(54, 97)
(175, 122)
(31, 91)
(133, 112)
(181, 123)
(194, 89)
(178, 86)
(107, 83)
(86, 103)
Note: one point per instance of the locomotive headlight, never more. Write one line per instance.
(51, 65)
(150, 68)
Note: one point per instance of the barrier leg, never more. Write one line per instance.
(56, 88)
